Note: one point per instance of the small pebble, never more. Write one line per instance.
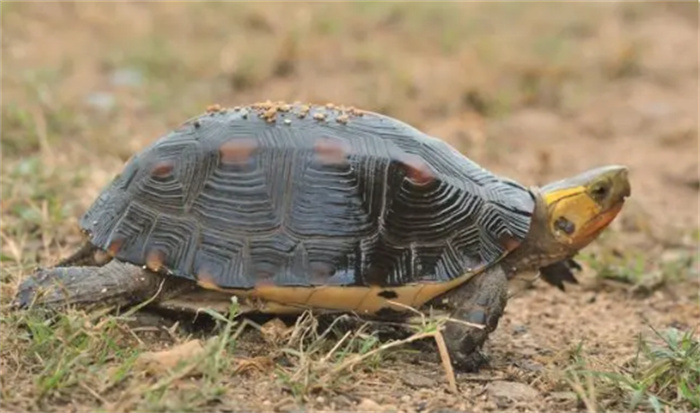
(368, 405)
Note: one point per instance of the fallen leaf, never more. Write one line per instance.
(275, 331)
(156, 362)
(261, 364)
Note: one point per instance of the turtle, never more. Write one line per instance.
(290, 207)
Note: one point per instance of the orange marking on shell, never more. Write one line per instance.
(331, 151)
(417, 169)
(162, 169)
(237, 151)
(206, 280)
(154, 260)
(115, 246)
(508, 242)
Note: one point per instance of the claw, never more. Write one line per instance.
(26, 293)
(560, 272)
(471, 362)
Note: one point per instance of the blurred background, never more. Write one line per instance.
(533, 91)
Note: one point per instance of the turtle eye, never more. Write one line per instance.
(565, 225)
(599, 192)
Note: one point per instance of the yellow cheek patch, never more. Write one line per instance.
(578, 209)
(576, 206)
(583, 211)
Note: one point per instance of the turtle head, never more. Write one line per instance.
(581, 207)
(568, 215)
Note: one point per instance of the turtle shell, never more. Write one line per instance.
(281, 197)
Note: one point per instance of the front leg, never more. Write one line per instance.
(480, 300)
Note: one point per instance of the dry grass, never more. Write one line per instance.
(525, 94)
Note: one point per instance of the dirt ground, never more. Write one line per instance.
(534, 91)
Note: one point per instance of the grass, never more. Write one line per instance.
(64, 353)
(663, 376)
(311, 355)
(328, 361)
(104, 357)
(644, 272)
(78, 356)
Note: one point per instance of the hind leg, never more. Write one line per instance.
(116, 283)
(480, 301)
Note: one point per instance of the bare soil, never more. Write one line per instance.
(535, 92)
